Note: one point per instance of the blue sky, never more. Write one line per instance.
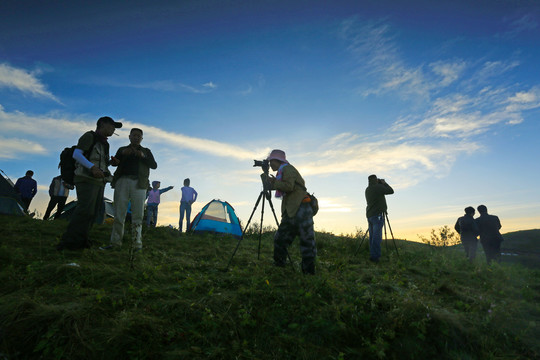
(440, 98)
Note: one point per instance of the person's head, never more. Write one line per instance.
(135, 136)
(29, 173)
(106, 126)
(469, 210)
(482, 209)
(276, 158)
(372, 179)
(186, 182)
(156, 185)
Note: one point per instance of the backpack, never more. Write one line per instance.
(68, 164)
(314, 202)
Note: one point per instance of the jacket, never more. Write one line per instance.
(468, 229)
(144, 166)
(293, 193)
(376, 202)
(26, 186)
(99, 156)
(489, 226)
(57, 187)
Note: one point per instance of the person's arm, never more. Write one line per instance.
(384, 188)
(457, 228)
(161, 191)
(286, 184)
(78, 155)
(34, 188)
(96, 172)
(148, 158)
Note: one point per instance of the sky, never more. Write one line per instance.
(439, 98)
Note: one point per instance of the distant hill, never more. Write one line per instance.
(522, 241)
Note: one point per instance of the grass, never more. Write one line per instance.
(175, 301)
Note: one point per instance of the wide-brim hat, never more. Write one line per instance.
(277, 155)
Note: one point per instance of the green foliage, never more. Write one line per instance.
(177, 302)
(441, 238)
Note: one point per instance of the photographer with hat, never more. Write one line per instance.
(296, 212)
(375, 213)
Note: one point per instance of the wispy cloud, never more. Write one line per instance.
(24, 81)
(426, 142)
(159, 85)
(378, 57)
(43, 129)
(520, 25)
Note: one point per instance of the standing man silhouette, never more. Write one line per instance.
(189, 196)
(375, 213)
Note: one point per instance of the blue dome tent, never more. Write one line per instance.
(217, 217)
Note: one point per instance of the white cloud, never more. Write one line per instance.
(210, 85)
(449, 71)
(160, 85)
(12, 148)
(46, 128)
(24, 81)
(524, 100)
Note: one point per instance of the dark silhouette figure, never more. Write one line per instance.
(490, 237)
(468, 229)
(26, 187)
(58, 191)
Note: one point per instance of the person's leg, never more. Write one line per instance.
(26, 203)
(308, 249)
(137, 212)
(149, 214)
(154, 216)
(76, 235)
(60, 206)
(472, 250)
(466, 246)
(182, 212)
(283, 237)
(375, 236)
(52, 203)
(121, 200)
(188, 216)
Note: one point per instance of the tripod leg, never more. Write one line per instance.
(260, 228)
(247, 225)
(361, 242)
(391, 233)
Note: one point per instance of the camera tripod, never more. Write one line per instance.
(386, 220)
(265, 195)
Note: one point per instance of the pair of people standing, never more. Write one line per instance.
(130, 182)
(487, 226)
(189, 196)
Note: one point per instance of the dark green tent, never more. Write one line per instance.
(10, 201)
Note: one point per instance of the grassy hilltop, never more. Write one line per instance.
(174, 301)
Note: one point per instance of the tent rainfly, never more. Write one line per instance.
(217, 217)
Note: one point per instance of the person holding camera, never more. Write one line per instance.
(91, 175)
(468, 230)
(296, 212)
(376, 213)
(130, 183)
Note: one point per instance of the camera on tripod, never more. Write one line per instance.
(264, 164)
